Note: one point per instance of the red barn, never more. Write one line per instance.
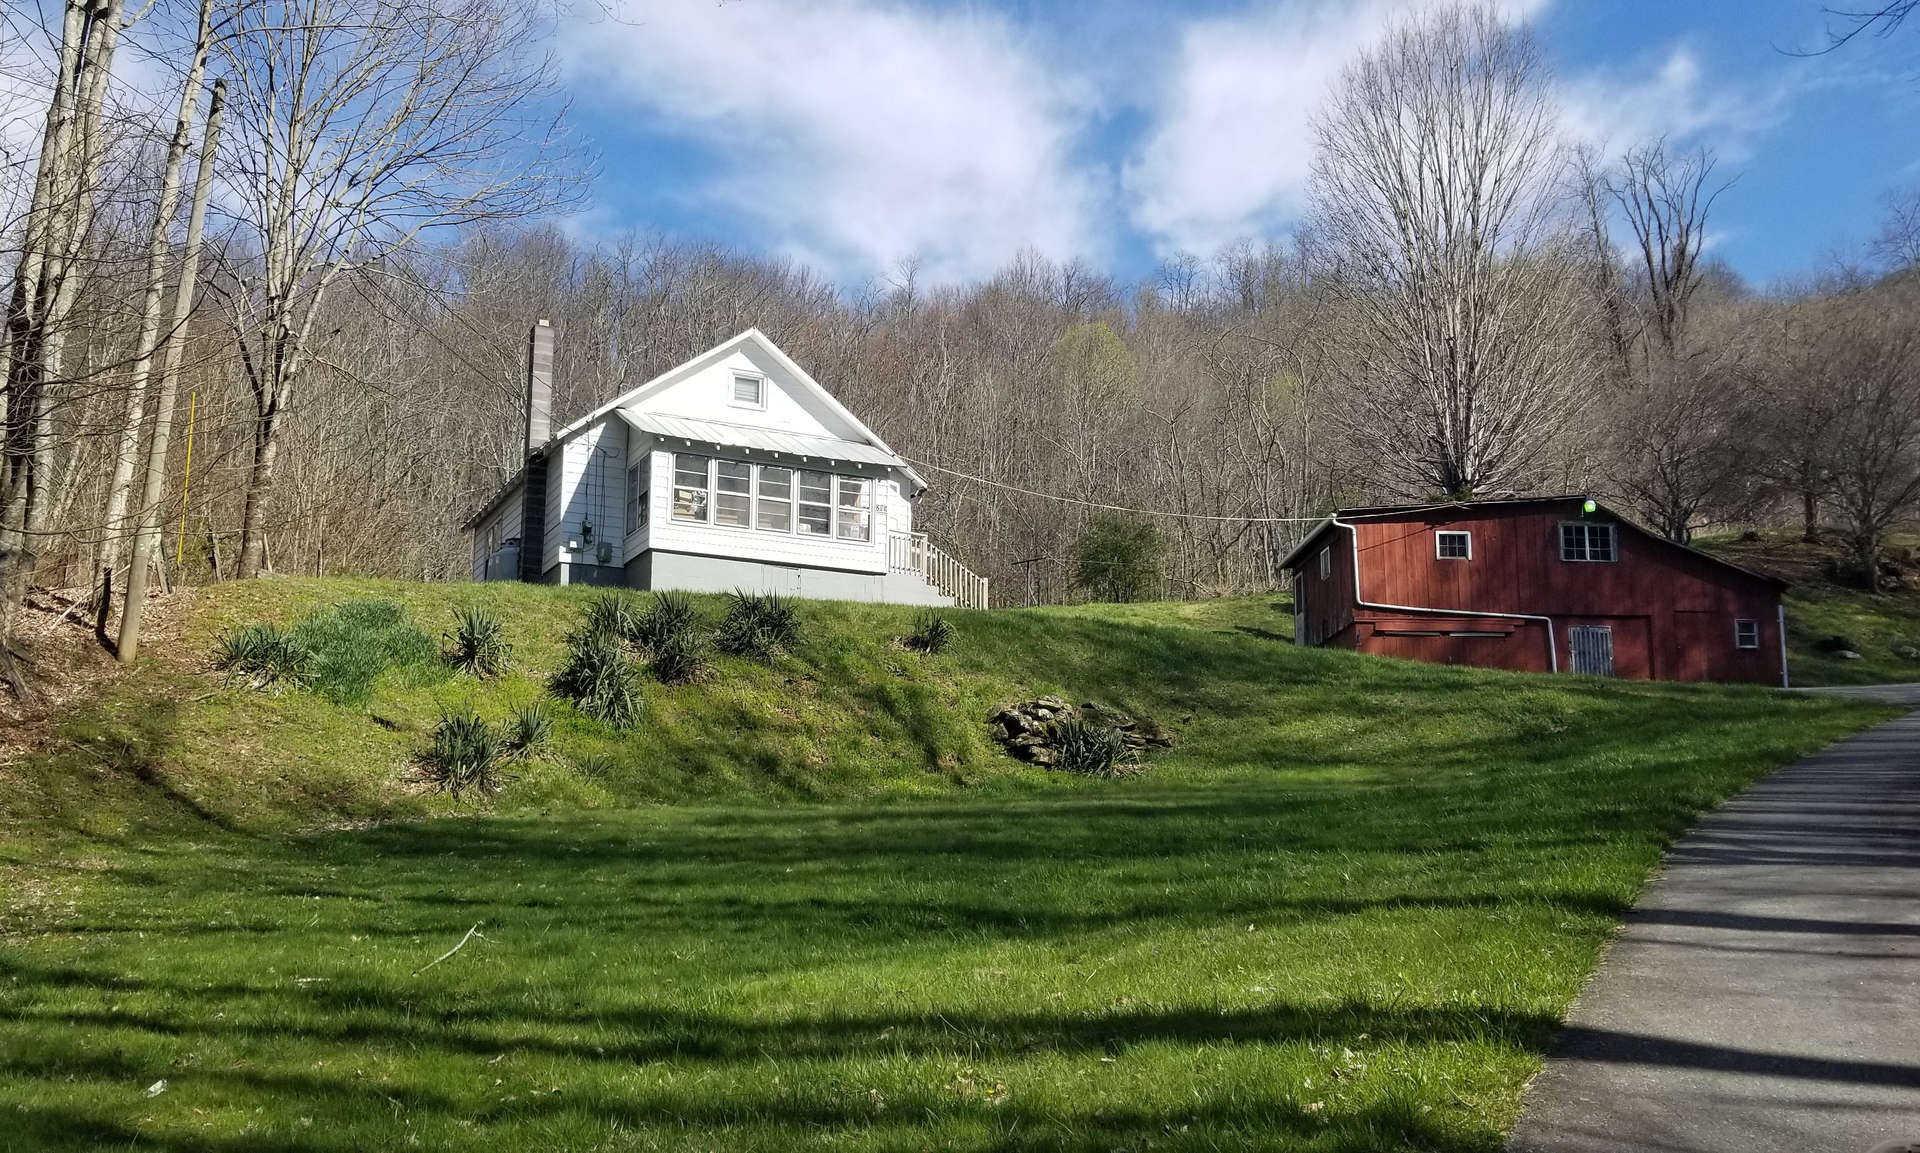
(1542, 584)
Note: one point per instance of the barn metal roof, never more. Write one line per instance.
(1389, 511)
(803, 445)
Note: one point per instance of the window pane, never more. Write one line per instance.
(776, 500)
(746, 389)
(816, 504)
(689, 487)
(732, 504)
(1454, 546)
(1573, 542)
(1600, 542)
(853, 520)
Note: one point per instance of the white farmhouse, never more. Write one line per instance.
(736, 470)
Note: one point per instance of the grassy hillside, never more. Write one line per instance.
(1884, 629)
(810, 906)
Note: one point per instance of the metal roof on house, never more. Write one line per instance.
(796, 444)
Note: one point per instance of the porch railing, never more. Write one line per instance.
(913, 552)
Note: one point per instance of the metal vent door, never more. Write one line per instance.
(1592, 650)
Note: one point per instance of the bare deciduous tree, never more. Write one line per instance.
(361, 125)
(1437, 224)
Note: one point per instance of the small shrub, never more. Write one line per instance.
(668, 616)
(599, 678)
(465, 754)
(931, 633)
(477, 644)
(758, 626)
(615, 614)
(1118, 559)
(1091, 749)
(264, 656)
(529, 730)
(678, 658)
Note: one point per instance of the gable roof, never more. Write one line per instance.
(800, 376)
(1394, 511)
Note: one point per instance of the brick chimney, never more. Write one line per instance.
(539, 385)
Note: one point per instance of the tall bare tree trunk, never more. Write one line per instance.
(147, 535)
(113, 535)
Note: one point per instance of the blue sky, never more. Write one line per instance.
(855, 135)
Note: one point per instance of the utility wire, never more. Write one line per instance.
(1115, 507)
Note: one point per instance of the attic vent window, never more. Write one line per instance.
(1582, 541)
(1453, 545)
(749, 391)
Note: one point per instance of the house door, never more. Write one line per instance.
(1592, 650)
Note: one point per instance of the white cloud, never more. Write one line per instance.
(859, 133)
(1227, 153)
(1672, 97)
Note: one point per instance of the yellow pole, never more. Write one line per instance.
(180, 547)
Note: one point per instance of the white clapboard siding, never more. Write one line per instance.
(586, 482)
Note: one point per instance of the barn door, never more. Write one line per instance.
(1592, 650)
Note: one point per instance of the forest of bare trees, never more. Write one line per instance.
(309, 256)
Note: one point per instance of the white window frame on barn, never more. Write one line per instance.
(1746, 633)
(1579, 541)
(1326, 563)
(1443, 537)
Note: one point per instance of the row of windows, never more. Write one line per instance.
(762, 497)
(1579, 541)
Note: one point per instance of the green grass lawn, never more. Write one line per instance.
(1346, 912)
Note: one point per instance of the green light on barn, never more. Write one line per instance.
(1589, 507)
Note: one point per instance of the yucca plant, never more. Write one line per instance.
(465, 754)
(477, 644)
(758, 626)
(931, 633)
(678, 658)
(529, 730)
(667, 617)
(264, 656)
(1091, 749)
(596, 766)
(615, 614)
(599, 678)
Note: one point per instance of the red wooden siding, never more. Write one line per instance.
(1671, 611)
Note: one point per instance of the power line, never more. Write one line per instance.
(1115, 507)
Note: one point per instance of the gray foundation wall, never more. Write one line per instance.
(709, 574)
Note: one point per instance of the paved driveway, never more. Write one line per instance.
(1765, 994)
(1907, 694)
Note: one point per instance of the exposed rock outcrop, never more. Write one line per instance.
(1028, 728)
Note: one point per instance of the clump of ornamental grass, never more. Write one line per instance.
(352, 645)
(931, 633)
(1091, 749)
(758, 626)
(596, 766)
(465, 756)
(477, 644)
(529, 731)
(263, 656)
(598, 677)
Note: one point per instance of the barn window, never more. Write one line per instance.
(1746, 634)
(733, 493)
(816, 504)
(776, 500)
(1326, 563)
(1453, 545)
(636, 497)
(853, 516)
(692, 487)
(749, 391)
(1581, 541)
